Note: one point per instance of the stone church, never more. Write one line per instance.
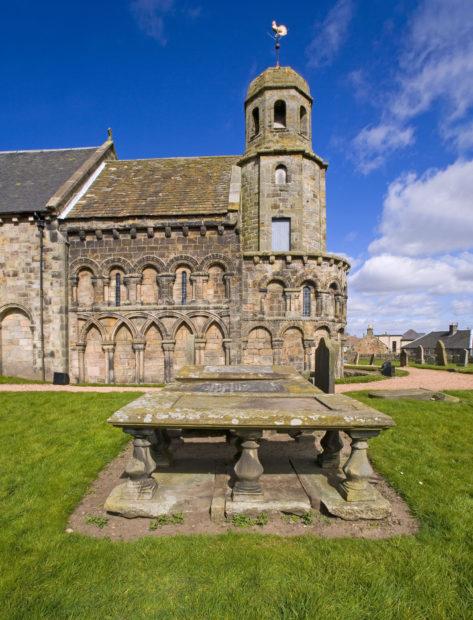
(125, 270)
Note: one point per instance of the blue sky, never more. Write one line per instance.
(393, 114)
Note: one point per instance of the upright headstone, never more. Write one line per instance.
(420, 355)
(326, 357)
(388, 369)
(372, 359)
(404, 358)
(441, 353)
(356, 361)
(466, 357)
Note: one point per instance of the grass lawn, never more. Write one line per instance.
(18, 380)
(52, 445)
(368, 378)
(450, 367)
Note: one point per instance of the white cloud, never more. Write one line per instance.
(330, 34)
(396, 274)
(373, 144)
(430, 214)
(150, 17)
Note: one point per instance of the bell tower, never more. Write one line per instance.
(283, 180)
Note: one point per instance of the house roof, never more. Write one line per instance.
(411, 334)
(28, 179)
(159, 187)
(460, 340)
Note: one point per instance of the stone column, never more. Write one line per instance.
(140, 483)
(227, 281)
(248, 469)
(332, 445)
(465, 357)
(139, 349)
(308, 354)
(198, 280)
(199, 348)
(227, 347)
(262, 302)
(80, 352)
(109, 348)
(337, 305)
(168, 348)
(106, 291)
(74, 280)
(277, 347)
(131, 282)
(357, 469)
(165, 283)
(420, 355)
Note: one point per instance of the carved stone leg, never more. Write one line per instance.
(332, 445)
(140, 484)
(160, 449)
(248, 468)
(358, 471)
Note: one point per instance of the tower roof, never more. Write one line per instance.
(278, 77)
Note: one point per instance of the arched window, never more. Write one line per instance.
(184, 287)
(303, 121)
(280, 175)
(118, 286)
(255, 126)
(279, 114)
(306, 301)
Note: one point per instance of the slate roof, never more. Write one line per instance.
(460, 340)
(159, 187)
(28, 179)
(411, 334)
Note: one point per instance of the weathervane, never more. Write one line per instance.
(279, 31)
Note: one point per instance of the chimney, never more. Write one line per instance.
(452, 329)
(369, 331)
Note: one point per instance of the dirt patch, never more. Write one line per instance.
(214, 452)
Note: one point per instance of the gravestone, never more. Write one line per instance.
(420, 355)
(404, 358)
(326, 357)
(356, 359)
(441, 353)
(372, 359)
(466, 356)
(388, 370)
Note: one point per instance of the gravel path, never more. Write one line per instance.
(430, 379)
(417, 378)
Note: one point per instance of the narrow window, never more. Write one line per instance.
(281, 234)
(303, 120)
(279, 115)
(118, 286)
(394, 346)
(306, 301)
(281, 175)
(255, 127)
(184, 288)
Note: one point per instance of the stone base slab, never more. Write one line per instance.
(322, 488)
(413, 394)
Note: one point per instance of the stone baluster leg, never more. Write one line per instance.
(332, 445)
(140, 483)
(160, 449)
(248, 469)
(358, 470)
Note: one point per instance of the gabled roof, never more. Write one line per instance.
(411, 334)
(159, 187)
(460, 340)
(28, 179)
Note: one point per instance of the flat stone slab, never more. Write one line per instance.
(321, 486)
(413, 394)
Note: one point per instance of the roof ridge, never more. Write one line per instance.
(175, 158)
(72, 148)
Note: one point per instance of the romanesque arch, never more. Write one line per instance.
(275, 300)
(149, 261)
(124, 356)
(214, 259)
(184, 347)
(94, 356)
(292, 353)
(259, 348)
(181, 260)
(85, 288)
(153, 353)
(115, 262)
(84, 263)
(16, 342)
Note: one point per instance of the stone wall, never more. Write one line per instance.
(20, 340)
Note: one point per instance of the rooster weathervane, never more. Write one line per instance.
(279, 31)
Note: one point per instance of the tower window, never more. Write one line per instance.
(184, 287)
(279, 114)
(306, 302)
(281, 234)
(303, 121)
(255, 126)
(280, 176)
(118, 285)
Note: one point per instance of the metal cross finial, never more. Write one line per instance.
(279, 31)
